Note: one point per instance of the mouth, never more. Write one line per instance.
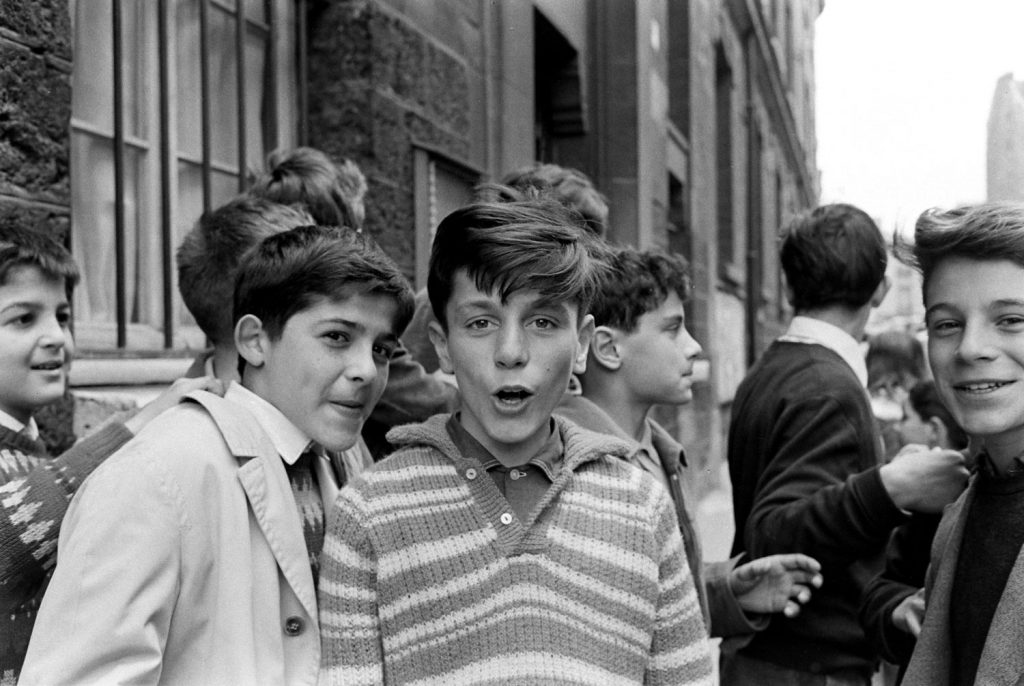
(51, 366)
(979, 388)
(348, 405)
(512, 396)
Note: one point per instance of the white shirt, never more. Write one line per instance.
(9, 422)
(288, 439)
(816, 332)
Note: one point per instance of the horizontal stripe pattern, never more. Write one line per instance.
(423, 583)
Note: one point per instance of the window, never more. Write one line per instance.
(442, 186)
(164, 125)
(728, 269)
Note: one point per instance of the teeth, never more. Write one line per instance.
(974, 388)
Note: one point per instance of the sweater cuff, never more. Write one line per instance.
(878, 506)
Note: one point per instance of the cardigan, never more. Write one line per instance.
(428, 576)
(804, 455)
(35, 490)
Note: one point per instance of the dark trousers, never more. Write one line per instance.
(739, 670)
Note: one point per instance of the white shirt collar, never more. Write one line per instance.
(816, 332)
(288, 439)
(9, 422)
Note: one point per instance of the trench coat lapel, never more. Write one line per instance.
(265, 482)
(1002, 658)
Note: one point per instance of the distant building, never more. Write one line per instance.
(1006, 141)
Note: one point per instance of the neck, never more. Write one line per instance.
(627, 414)
(1003, 452)
(225, 362)
(852, 321)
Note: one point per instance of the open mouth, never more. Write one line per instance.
(981, 388)
(513, 395)
(48, 366)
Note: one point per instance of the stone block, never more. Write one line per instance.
(39, 24)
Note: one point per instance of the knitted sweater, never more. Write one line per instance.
(34, 494)
(429, 578)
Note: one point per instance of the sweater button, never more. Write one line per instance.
(470, 473)
(506, 518)
(293, 626)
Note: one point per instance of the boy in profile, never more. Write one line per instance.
(501, 544)
(37, 276)
(642, 355)
(191, 556)
(972, 263)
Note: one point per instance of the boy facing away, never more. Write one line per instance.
(501, 544)
(642, 355)
(37, 276)
(972, 263)
(197, 562)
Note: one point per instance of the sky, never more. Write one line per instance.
(904, 89)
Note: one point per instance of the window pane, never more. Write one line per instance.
(138, 36)
(92, 231)
(189, 102)
(223, 87)
(255, 77)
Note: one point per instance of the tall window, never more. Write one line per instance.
(165, 123)
(723, 164)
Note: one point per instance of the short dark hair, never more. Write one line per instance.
(571, 187)
(833, 255)
(287, 272)
(331, 193)
(894, 354)
(636, 282)
(985, 231)
(20, 247)
(924, 398)
(209, 254)
(514, 246)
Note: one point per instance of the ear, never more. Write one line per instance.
(879, 295)
(440, 340)
(584, 335)
(251, 340)
(605, 349)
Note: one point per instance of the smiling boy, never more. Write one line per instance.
(972, 263)
(197, 561)
(500, 544)
(642, 355)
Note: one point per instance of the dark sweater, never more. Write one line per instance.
(804, 452)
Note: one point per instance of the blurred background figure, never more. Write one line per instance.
(895, 361)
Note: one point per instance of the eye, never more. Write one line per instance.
(384, 351)
(336, 337)
(944, 327)
(64, 317)
(478, 324)
(544, 323)
(1013, 322)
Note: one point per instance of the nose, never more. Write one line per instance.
(691, 348)
(362, 368)
(511, 350)
(54, 333)
(975, 343)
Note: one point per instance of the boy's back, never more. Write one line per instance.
(426, 562)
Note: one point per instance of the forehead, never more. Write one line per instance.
(28, 282)
(466, 294)
(962, 281)
(373, 312)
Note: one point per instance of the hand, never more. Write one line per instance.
(909, 614)
(171, 397)
(777, 583)
(924, 480)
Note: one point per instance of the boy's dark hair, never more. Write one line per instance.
(986, 231)
(332, 193)
(833, 255)
(894, 356)
(287, 272)
(26, 248)
(924, 398)
(514, 246)
(209, 254)
(570, 187)
(636, 282)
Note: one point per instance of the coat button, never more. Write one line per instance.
(293, 626)
(470, 473)
(506, 518)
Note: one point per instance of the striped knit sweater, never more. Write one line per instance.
(34, 494)
(428, 578)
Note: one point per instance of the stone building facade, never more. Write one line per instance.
(695, 118)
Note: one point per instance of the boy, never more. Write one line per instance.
(37, 276)
(501, 544)
(972, 263)
(641, 356)
(199, 564)
(805, 455)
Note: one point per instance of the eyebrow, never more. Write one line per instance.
(1002, 302)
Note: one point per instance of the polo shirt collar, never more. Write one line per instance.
(289, 441)
(548, 458)
(816, 332)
